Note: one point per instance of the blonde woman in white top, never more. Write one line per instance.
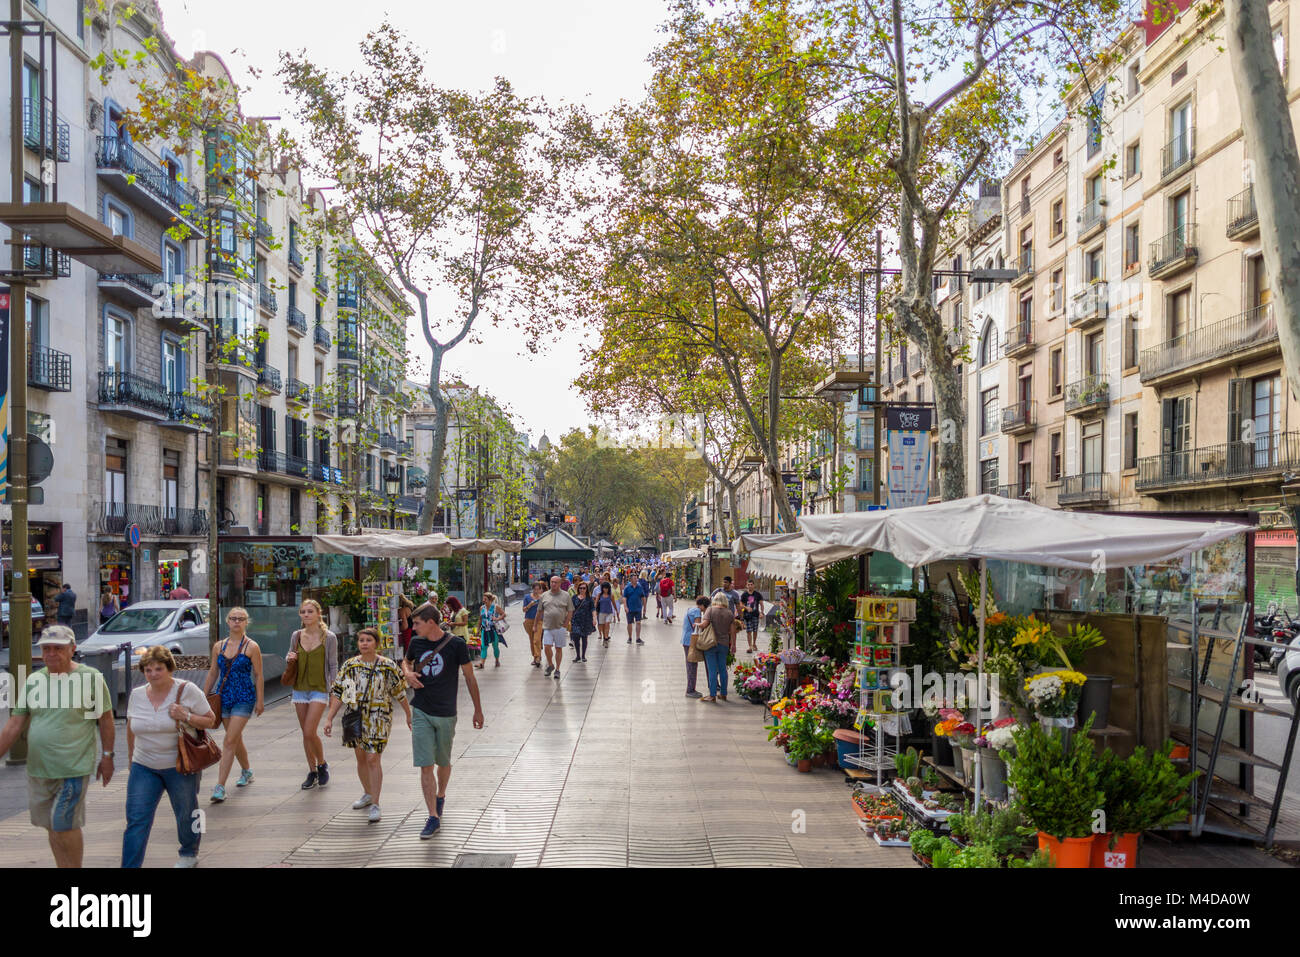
(151, 729)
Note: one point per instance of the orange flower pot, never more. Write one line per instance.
(1071, 852)
(1124, 854)
(805, 765)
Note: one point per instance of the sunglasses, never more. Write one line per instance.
(236, 618)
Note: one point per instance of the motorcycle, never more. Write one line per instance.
(1275, 625)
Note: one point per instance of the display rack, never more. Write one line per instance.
(881, 629)
(381, 612)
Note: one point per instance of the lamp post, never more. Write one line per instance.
(392, 485)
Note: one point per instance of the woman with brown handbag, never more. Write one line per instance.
(314, 657)
(715, 635)
(154, 714)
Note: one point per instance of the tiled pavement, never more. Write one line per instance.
(609, 766)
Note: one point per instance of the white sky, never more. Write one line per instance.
(589, 51)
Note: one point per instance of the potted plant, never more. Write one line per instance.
(1143, 791)
(997, 738)
(1054, 697)
(1058, 788)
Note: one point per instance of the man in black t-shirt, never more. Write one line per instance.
(751, 603)
(430, 667)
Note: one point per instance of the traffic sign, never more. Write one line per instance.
(133, 535)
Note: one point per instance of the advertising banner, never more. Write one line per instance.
(909, 469)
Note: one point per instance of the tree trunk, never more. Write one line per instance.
(433, 483)
(1271, 144)
(773, 451)
(733, 523)
(952, 423)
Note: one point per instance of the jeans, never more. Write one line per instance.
(715, 663)
(579, 643)
(491, 636)
(692, 669)
(144, 789)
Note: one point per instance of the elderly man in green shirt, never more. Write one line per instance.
(59, 709)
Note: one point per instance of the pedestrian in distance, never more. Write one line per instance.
(633, 607)
(459, 619)
(107, 607)
(62, 707)
(180, 593)
(606, 609)
(236, 673)
(430, 667)
(667, 595)
(489, 615)
(156, 711)
(367, 684)
(725, 625)
(556, 610)
(315, 649)
(66, 604)
(751, 605)
(533, 625)
(728, 592)
(688, 630)
(583, 621)
(659, 601)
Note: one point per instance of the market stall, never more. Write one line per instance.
(688, 570)
(551, 552)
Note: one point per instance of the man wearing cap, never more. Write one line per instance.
(59, 709)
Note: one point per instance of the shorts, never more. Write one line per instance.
(555, 638)
(604, 619)
(751, 624)
(311, 697)
(635, 616)
(431, 737)
(58, 804)
(239, 709)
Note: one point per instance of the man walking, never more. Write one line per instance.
(556, 611)
(751, 602)
(61, 707)
(667, 594)
(688, 629)
(67, 602)
(729, 593)
(430, 667)
(633, 604)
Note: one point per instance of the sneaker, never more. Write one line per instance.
(310, 782)
(187, 860)
(430, 826)
(629, 641)
(549, 669)
(364, 801)
(640, 642)
(245, 778)
(441, 801)
(536, 663)
(557, 674)
(373, 816)
(323, 772)
(218, 794)
(694, 694)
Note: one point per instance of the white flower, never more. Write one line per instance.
(1001, 739)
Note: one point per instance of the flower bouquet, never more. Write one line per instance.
(1055, 694)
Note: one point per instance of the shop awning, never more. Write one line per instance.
(385, 545)
(37, 562)
(778, 561)
(686, 555)
(483, 546)
(747, 543)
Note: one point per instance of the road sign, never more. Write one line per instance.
(133, 535)
(40, 460)
(661, 537)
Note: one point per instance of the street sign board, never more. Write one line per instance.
(909, 419)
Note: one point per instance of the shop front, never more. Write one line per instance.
(44, 561)
(173, 571)
(118, 572)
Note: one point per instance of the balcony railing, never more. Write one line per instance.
(1243, 216)
(263, 230)
(1020, 417)
(49, 369)
(1015, 491)
(405, 448)
(1090, 304)
(266, 297)
(1173, 251)
(268, 377)
(347, 408)
(112, 518)
(1090, 488)
(190, 409)
(133, 391)
(1020, 338)
(57, 136)
(1088, 394)
(295, 390)
(1176, 154)
(388, 441)
(1247, 330)
(295, 258)
(900, 371)
(148, 174)
(297, 320)
(46, 261)
(1024, 266)
(1093, 215)
(1270, 452)
(281, 463)
(322, 284)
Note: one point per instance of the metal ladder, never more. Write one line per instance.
(1203, 791)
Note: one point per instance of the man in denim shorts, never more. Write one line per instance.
(60, 708)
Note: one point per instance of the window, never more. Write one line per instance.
(1094, 269)
(1132, 247)
(173, 367)
(1025, 315)
(118, 218)
(1257, 286)
(1131, 341)
(1177, 314)
(988, 345)
(988, 476)
(1054, 462)
(1058, 157)
(1176, 435)
(1094, 122)
(1026, 246)
(1134, 68)
(1267, 399)
(171, 482)
(1279, 50)
(1180, 135)
(920, 394)
(1058, 219)
(263, 509)
(1025, 385)
(117, 351)
(319, 378)
(1094, 354)
(1024, 467)
(292, 370)
(1130, 440)
(864, 474)
(1132, 160)
(1091, 448)
(989, 411)
(1057, 290)
(115, 477)
(38, 322)
(173, 264)
(295, 511)
(1055, 367)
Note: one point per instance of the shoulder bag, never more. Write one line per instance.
(352, 728)
(214, 697)
(291, 667)
(197, 751)
(705, 638)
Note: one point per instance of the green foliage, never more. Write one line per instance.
(1144, 791)
(944, 854)
(829, 611)
(347, 594)
(997, 828)
(906, 763)
(1078, 640)
(1040, 858)
(977, 855)
(1057, 789)
(928, 642)
(924, 842)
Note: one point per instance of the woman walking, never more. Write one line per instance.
(718, 615)
(153, 718)
(583, 623)
(404, 632)
(606, 609)
(459, 618)
(488, 616)
(236, 672)
(107, 607)
(532, 625)
(316, 650)
(368, 683)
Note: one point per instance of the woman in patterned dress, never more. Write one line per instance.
(369, 683)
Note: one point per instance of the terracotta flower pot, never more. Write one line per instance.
(1070, 852)
(805, 765)
(1123, 854)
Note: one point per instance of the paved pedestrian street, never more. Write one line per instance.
(609, 766)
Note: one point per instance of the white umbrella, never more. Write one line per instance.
(780, 560)
(385, 545)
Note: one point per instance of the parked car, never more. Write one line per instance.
(38, 619)
(179, 626)
(1288, 673)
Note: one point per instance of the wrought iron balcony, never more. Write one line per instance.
(348, 348)
(1024, 267)
(1092, 217)
(388, 441)
(1243, 216)
(1019, 339)
(268, 377)
(134, 289)
(281, 463)
(1025, 492)
(266, 298)
(1089, 488)
(409, 503)
(1226, 339)
(295, 259)
(900, 372)
(1232, 462)
(112, 518)
(1173, 252)
(263, 231)
(1021, 417)
(322, 284)
(42, 260)
(147, 179)
(1088, 395)
(405, 449)
(322, 338)
(295, 390)
(347, 408)
(318, 472)
(1090, 305)
(57, 136)
(133, 395)
(190, 411)
(184, 521)
(49, 369)
(1177, 154)
(297, 321)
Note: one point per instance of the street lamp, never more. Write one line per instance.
(392, 484)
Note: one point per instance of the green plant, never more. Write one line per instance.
(829, 611)
(927, 645)
(906, 763)
(1037, 859)
(347, 594)
(944, 854)
(1144, 791)
(1078, 640)
(924, 842)
(998, 828)
(977, 855)
(930, 778)
(1057, 788)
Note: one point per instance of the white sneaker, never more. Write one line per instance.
(364, 801)
(374, 814)
(184, 861)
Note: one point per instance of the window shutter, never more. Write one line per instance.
(1238, 408)
(1167, 426)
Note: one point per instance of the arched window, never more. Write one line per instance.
(988, 344)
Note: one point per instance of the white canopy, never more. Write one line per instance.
(483, 546)
(685, 555)
(778, 560)
(990, 526)
(748, 542)
(385, 545)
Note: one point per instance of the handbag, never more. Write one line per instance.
(693, 654)
(194, 752)
(705, 638)
(291, 667)
(352, 728)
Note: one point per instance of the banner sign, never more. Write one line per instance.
(909, 468)
(4, 390)
(909, 419)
